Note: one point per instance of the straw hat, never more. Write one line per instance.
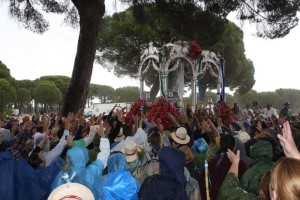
(70, 191)
(180, 136)
(131, 150)
(189, 156)
(120, 136)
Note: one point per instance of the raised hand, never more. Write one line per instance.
(46, 126)
(100, 130)
(70, 139)
(68, 120)
(234, 159)
(43, 141)
(184, 118)
(92, 121)
(287, 142)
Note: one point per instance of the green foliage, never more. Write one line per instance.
(61, 82)
(127, 94)
(4, 71)
(239, 71)
(23, 98)
(103, 92)
(7, 95)
(47, 93)
(273, 19)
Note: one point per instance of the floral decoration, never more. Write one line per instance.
(135, 109)
(160, 109)
(224, 111)
(195, 51)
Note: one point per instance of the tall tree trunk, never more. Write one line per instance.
(90, 13)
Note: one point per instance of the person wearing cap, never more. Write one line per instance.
(286, 111)
(134, 154)
(118, 183)
(76, 169)
(170, 183)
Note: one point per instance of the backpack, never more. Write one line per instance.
(151, 166)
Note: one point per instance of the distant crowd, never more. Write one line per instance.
(222, 153)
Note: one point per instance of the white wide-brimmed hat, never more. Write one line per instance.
(120, 136)
(180, 136)
(131, 150)
(71, 191)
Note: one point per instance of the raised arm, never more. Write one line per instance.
(104, 146)
(287, 142)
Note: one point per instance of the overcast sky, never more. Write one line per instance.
(30, 56)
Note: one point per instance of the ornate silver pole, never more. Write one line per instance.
(193, 94)
(141, 88)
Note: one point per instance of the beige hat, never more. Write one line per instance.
(131, 150)
(180, 136)
(71, 191)
(120, 136)
(244, 136)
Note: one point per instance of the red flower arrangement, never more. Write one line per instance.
(224, 111)
(160, 110)
(195, 51)
(135, 109)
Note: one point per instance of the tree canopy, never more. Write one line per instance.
(127, 94)
(7, 95)
(46, 92)
(123, 38)
(273, 18)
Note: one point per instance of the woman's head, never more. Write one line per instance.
(285, 179)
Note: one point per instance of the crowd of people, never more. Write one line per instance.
(254, 155)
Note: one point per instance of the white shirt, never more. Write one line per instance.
(269, 113)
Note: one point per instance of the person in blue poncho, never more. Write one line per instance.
(118, 184)
(170, 182)
(18, 179)
(75, 169)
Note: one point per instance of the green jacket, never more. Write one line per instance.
(262, 154)
(232, 190)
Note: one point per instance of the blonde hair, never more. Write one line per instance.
(285, 179)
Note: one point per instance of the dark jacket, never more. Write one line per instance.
(170, 183)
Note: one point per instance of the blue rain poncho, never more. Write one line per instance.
(78, 172)
(19, 180)
(118, 184)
